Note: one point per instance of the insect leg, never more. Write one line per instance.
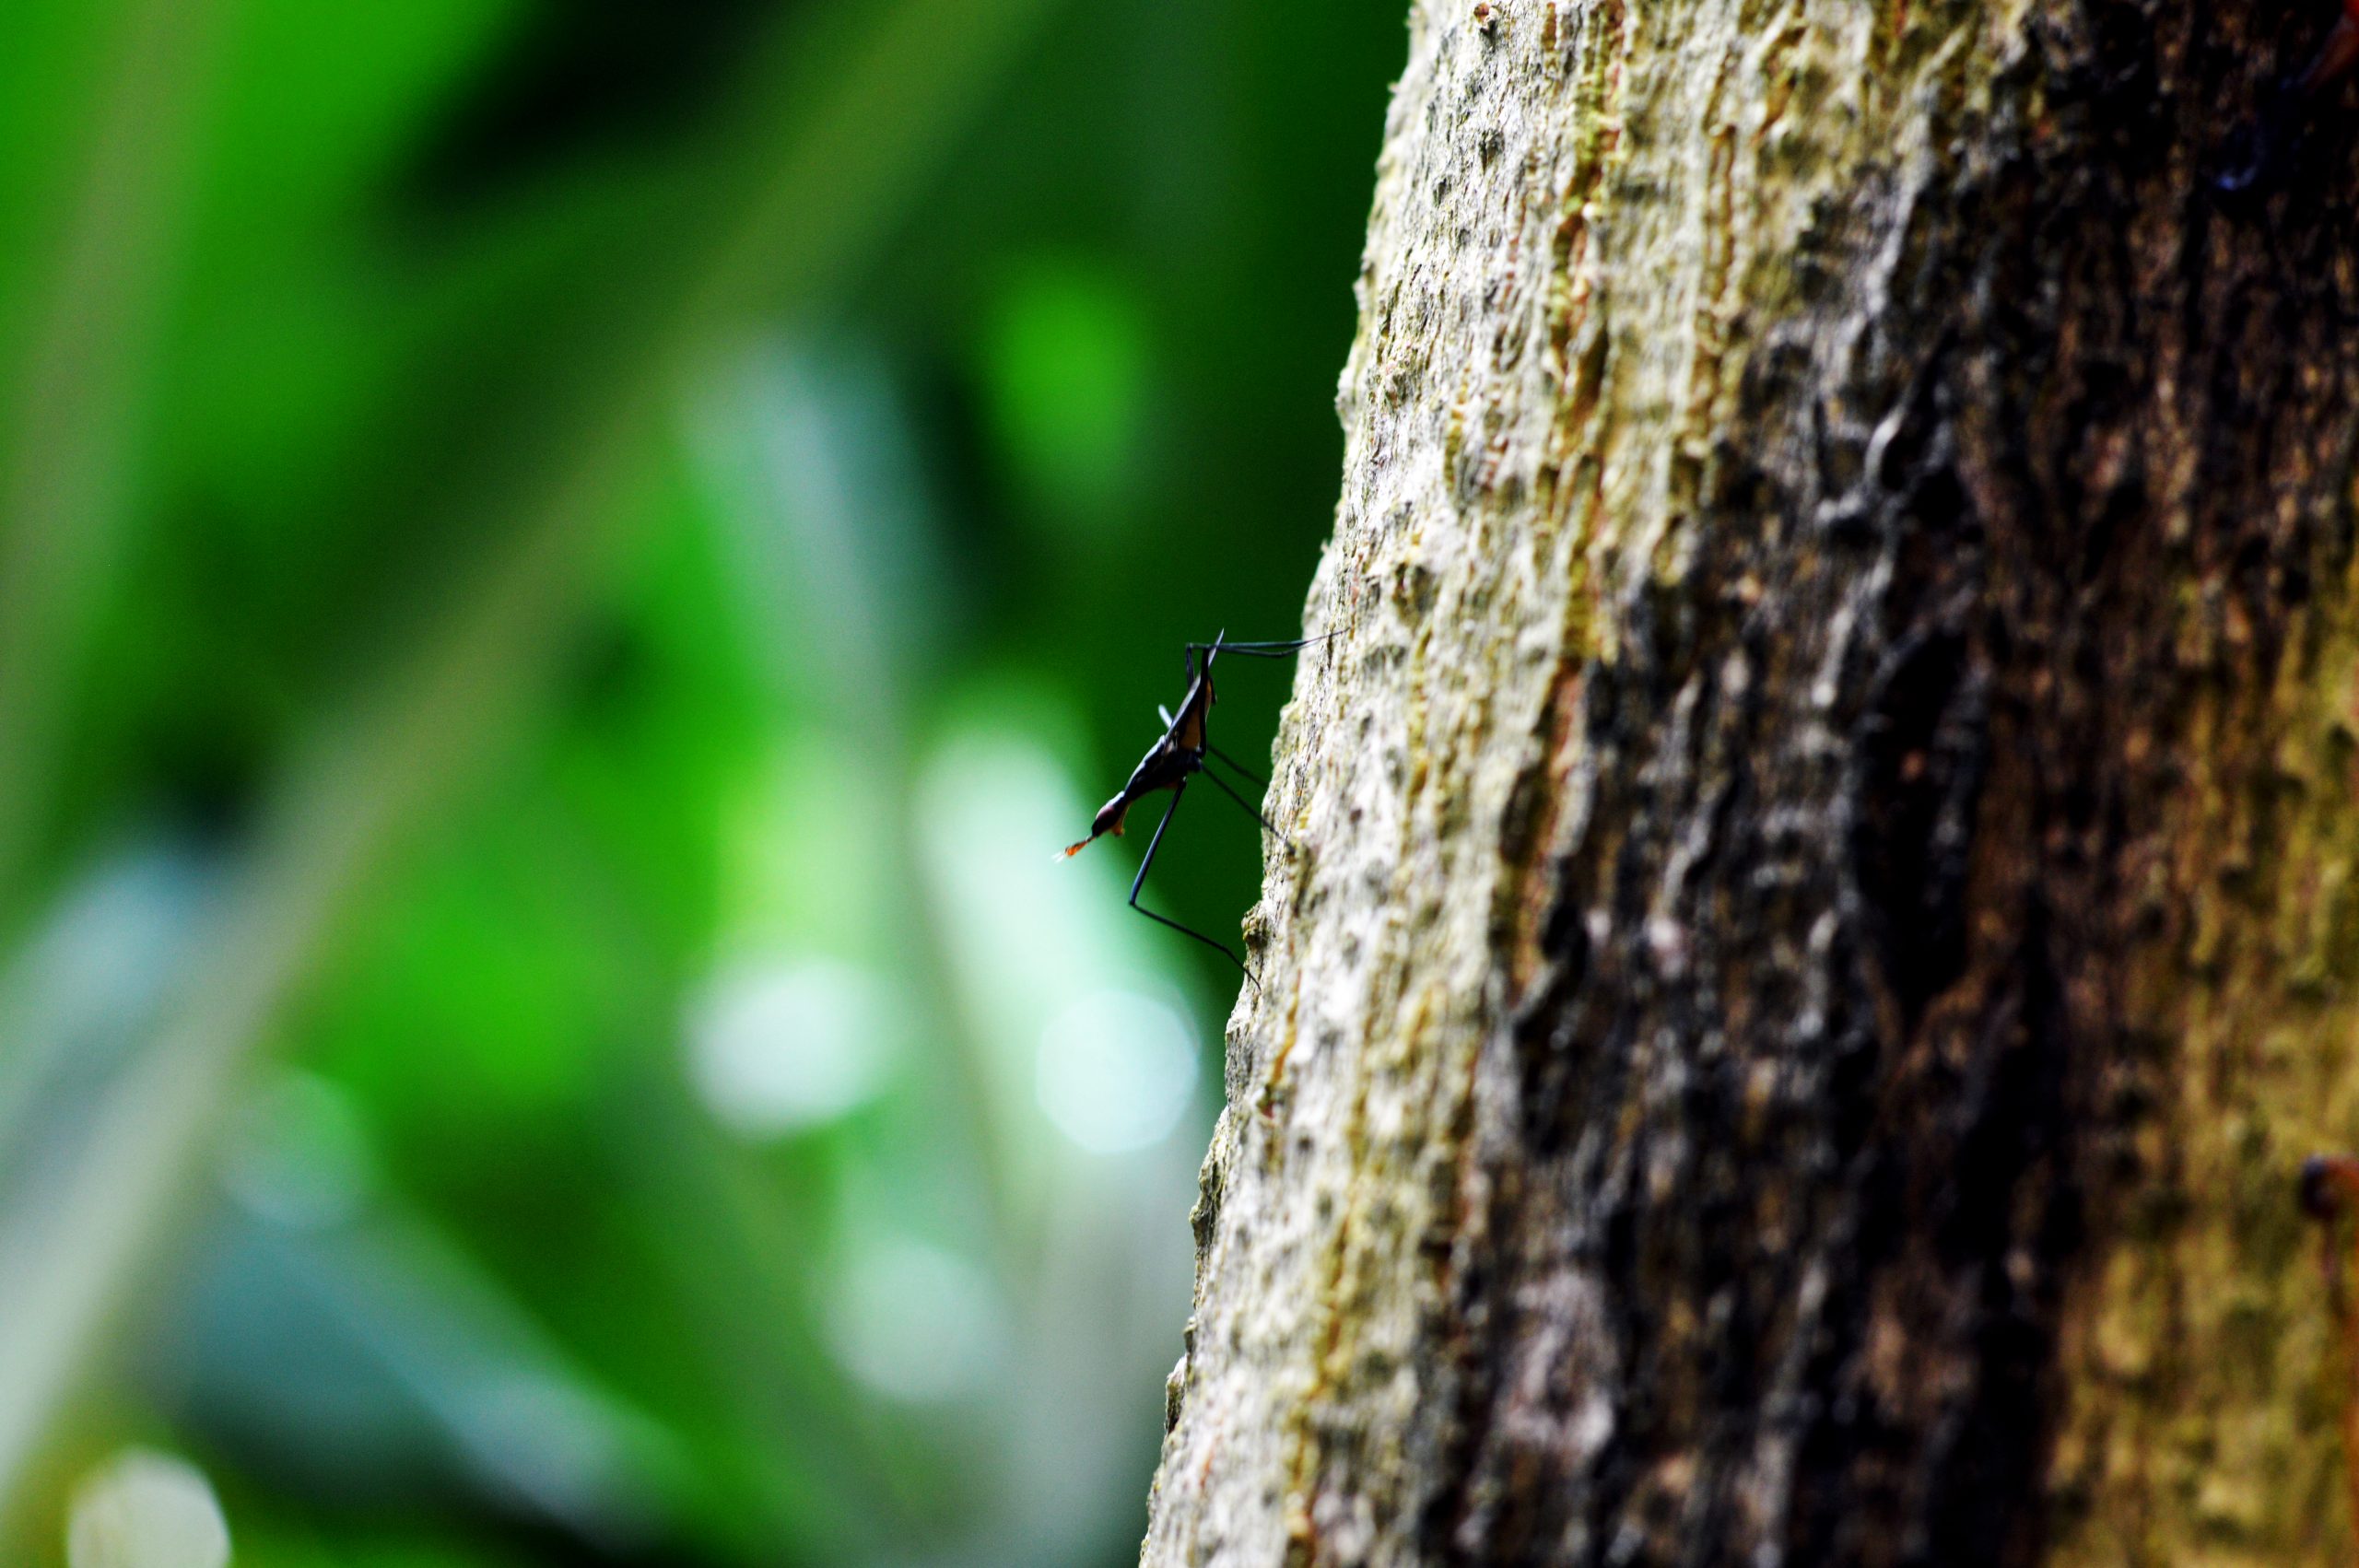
(1214, 751)
(1262, 649)
(1251, 808)
(1281, 643)
(1140, 881)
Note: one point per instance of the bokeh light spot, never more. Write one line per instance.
(917, 1322)
(775, 1050)
(1066, 376)
(1116, 1071)
(301, 1157)
(144, 1509)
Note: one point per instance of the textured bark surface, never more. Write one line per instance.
(1821, 918)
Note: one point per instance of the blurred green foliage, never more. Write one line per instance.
(564, 566)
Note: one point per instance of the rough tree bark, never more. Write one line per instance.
(1821, 920)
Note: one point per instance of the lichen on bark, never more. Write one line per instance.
(1819, 869)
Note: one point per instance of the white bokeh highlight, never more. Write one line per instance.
(1116, 1071)
(144, 1509)
(781, 1048)
(916, 1322)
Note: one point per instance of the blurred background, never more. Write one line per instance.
(565, 566)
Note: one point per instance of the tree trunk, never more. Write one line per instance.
(1816, 931)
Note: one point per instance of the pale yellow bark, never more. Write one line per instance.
(1627, 266)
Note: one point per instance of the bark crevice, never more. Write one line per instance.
(1832, 751)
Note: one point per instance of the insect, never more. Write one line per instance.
(1180, 758)
(2330, 1188)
